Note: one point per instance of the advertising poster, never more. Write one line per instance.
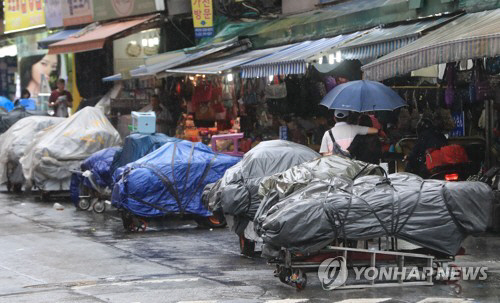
(23, 14)
(35, 64)
(203, 18)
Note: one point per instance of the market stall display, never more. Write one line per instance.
(50, 159)
(13, 144)
(236, 194)
(169, 181)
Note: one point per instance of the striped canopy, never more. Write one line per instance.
(381, 41)
(293, 60)
(475, 35)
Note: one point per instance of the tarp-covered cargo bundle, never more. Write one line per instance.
(7, 120)
(55, 152)
(136, 146)
(236, 194)
(170, 180)
(13, 144)
(433, 214)
(103, 165)
(97, 174)
(284, 184)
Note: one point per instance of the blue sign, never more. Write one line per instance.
(283, 133)
(459, 130)
(203, 32)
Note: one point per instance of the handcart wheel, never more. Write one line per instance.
(45, 196)
(299, 279)
(140, 225)
(83, 203)
(283, 274)
(17, 188)
(215, 221)
(247, 247)
(99, 206)
(126, 220)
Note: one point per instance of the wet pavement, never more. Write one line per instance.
(49, 255)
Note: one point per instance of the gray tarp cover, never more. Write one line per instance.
(237, 192)
(433, 214)
(55, 152)
(284, 184)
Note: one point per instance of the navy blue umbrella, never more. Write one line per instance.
(363, 96)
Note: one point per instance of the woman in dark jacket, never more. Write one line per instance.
(427, 137)
(366, 148)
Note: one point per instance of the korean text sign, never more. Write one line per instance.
(23, 14)
(203, 18)
(77, 12)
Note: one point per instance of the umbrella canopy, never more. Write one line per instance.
(6, 104)
(363, 96)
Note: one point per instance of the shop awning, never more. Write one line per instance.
(294, 59)
(162, 62)
(8, 51)
(226, 64)
(94, 36)
(471, 36)
(59, 36)
(381, 41)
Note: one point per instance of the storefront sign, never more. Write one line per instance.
(112, 9)
(23, 14)
(203, 18)
(459, 130)
(53, 13)
(77, 12)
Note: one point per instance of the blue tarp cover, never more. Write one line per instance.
(100, 166)
(170, 180)
(137, 146)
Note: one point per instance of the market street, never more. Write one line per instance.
(49, 255)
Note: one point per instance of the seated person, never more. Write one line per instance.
(427, 137)
(366, 148)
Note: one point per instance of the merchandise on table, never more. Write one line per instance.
(13, 144)
(52, 156)
(434, 214)
(236, 194)
(170, 180)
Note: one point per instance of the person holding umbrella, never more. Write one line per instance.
(358, 96)
(337, 140)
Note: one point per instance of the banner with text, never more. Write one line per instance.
(203, 18)
(23, 14)
(77, 12)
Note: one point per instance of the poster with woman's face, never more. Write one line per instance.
(35, 68)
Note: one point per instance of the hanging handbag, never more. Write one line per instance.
(249, 94)
(482, 85)
(227, 91)
(449, 92)
(276, 90)
(493, 65)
